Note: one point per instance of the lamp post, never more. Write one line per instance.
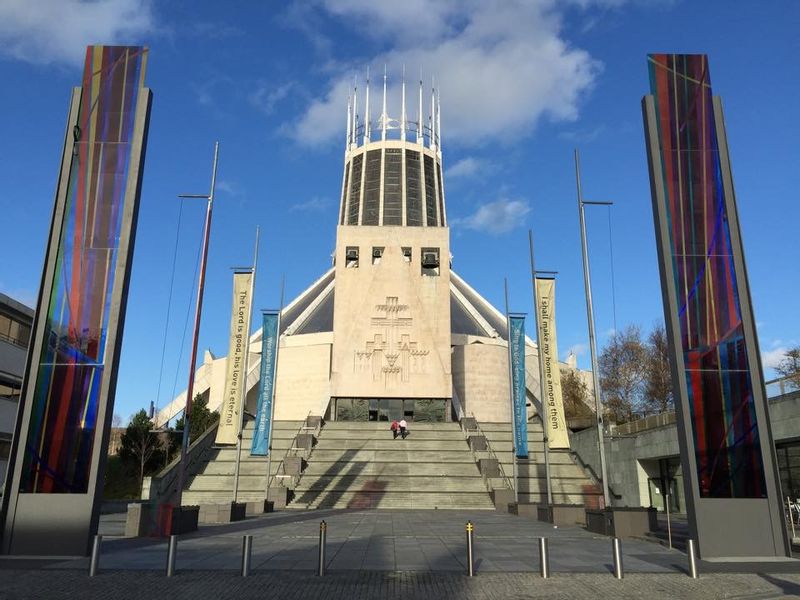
(590, 318)
(198, 310)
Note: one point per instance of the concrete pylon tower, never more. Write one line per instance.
(392, 306)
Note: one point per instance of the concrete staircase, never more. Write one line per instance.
(570, 483)
(358, 465)
(214, 484)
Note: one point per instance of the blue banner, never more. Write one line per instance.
(269, 355)
(517, 351)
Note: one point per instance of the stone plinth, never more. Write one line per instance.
(622, 521)
(477, 443)
(562, 514)
(160, 520)
(223, 513)
(489, 467)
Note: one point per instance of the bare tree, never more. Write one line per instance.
(139, 443)
(575, 393)
(658, 377)
(789, 367)
(622, 374)
(116, 421)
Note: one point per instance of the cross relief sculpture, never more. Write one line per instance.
(391, 355)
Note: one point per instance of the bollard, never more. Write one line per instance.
(94, 563)
(323, 532)
(172, 554)
(247, 551)
(544, 558)
(669, 523)
(470, 558)
(690, 551)
(616, 547)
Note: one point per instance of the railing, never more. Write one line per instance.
(291, 451)
(491, 454)
(163, 487)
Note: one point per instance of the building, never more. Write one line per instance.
(390, 331)
(15, 333)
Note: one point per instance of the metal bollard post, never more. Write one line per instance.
(690, 551)
(470, 557)
(616, 547)
(172, 554)
(94, 563)
(544, 558)
(323, 533)
(669, 523)
(247, 551)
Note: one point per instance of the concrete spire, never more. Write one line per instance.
(354, 138)
(403, 107)
(366, 117)
(384, 116)
(433, 112)
(349, 124)
(420, 131)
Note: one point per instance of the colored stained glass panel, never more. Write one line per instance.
(71, 368)
(715, 361)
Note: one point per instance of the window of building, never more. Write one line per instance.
(377, 253)
(407, 254)
(429, 262)
(351, 257)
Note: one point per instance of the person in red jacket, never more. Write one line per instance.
(395, 428)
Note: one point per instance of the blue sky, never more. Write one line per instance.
(522, 83)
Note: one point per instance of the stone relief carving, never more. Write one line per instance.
(391, 355)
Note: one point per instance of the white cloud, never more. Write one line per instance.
(495, 217)
(465, 167)
(58, 31)
(315, 204)
(266, 96)
(772, 358)
(500, 67)
(577, 349)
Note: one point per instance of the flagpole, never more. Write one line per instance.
(243, 404)
(274, 387)
(187, 411)
(511, 398)
(542, 387)
(598, 406)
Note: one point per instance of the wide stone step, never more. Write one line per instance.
(206, 482)
(386, 434)
(384, 425)
(191, 497)
(393, 456)
(361, 500)
(368, 483)
(219, 467)
(316, 467)
(409, 443)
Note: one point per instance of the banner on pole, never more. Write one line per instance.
(235, 377)
(552, 403)
(516, 340)
(269, 358)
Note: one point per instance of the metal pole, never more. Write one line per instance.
(245, 365)
(616, 547)
(187, 411)
(172, 553)
(275, 375)
(542, 390)
(592, 345)
(247, 551)
(669, 524)
(470, 554)
(511, 398)
(94, 563)
(323, 533)
(690, 551)
(544, 558)
(791, 518)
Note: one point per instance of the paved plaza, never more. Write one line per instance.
(387, 554)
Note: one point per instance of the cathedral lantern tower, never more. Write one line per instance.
(392, 337)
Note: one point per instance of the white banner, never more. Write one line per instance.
(552, 403)
(235, 377)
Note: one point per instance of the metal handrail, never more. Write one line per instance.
(292, 448)
(492, 454)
